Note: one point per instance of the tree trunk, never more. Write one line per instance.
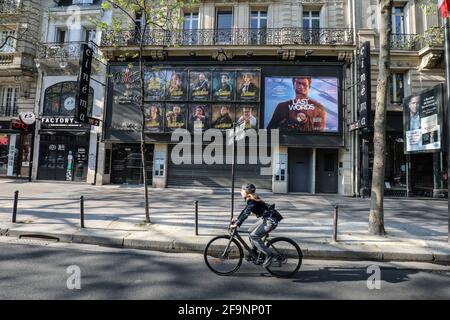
(142, 103)
(376, 217)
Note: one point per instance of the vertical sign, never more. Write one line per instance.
(81, 111)
(364, 96)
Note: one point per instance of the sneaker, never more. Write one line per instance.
(268, 261)
(252, 255)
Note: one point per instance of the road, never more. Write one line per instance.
(31, 269)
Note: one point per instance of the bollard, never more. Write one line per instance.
(82, 211)
(16, 200)
(335, 223)
(196, 217)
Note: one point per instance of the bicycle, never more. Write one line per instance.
(226, 252)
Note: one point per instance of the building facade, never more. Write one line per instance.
(417, 64)
(19, 31)
(296, 55)
(64, 149)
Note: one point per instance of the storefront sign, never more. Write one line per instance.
(60, 122)
(28, 117)
(81, 111)
(422, 119)
(364, 92)
(16, 124)
(11, 155)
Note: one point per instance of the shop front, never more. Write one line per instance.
(15, 150)
(302, 101)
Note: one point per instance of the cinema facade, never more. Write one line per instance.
(214, 80)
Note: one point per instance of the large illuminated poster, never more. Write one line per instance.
(302, 104)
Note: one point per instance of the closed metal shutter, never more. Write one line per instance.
(215, 176)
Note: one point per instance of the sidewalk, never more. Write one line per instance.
(114, 216)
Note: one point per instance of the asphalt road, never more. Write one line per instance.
(31, 269)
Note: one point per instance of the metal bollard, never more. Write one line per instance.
(335, 222)
(196, 217)
(16, 200)
(82, 211)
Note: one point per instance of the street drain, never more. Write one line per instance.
(38, 237)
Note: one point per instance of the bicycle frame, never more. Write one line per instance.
(235, 234)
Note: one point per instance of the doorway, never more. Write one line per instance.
(300, 174)
(327, 171)
(127, 164)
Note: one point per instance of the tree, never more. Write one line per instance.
(376, 217)
(154, 14)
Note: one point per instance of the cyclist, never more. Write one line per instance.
(268, 222)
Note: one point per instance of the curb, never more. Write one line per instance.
(184, 246)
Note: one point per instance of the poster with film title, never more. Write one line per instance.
(176, 84)
(422, 121)
(199, 117)
(176, 115)
(154, 117)
(154, 80)
(200, 85)
(248, 85)
(249, 114)
(224, 84)
(223, 116)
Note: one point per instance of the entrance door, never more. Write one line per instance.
(127, 164)
(327, 171)
(63, 157)
(300, 170)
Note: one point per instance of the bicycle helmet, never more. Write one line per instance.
(249, 187)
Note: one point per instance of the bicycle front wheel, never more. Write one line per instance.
(223, 255)
(288, 257)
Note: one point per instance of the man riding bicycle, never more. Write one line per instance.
(268, 222)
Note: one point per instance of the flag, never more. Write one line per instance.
(444, 6)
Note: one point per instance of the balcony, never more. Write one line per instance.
(231, 37)
(9, 7)
(8, 111)
(6, 58)
(414, 42)
(62, 56)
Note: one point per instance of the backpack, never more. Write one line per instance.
(272, 213)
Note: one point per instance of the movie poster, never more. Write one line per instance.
(175, 116)
(154, 80)
(248, 85)
(224, 84)
(176, 85)
(200, 85)
(199, 117)
(302, 104)
(249, 114)
(154, 117)
(422, 121)
(223, 116)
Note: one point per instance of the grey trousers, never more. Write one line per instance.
(258, 231)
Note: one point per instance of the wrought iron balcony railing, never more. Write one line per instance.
(9, 6)
(231, 37)
(405, 42)
(8, 111)
(66, 50)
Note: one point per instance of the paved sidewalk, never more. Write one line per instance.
(417, 228)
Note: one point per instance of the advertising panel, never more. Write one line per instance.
(176, 115)
(248, 85)
(223, 116)
(224, 84)
(199, 117)
(302, 104)
(154, 117)
(422, 118)
(176, 84)
(200, 85)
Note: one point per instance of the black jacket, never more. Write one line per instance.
(258, 207)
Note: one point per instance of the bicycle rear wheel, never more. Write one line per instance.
(223, 256)
(288, 257)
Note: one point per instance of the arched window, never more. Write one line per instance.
(60, 99)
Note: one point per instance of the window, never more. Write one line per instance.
(61, 35)
(90, 35)
(10, 44)
(190, 28)
(8, 101)
(59, 100)
(224, 23)
(258, 25)
(397, 87)
(311, 19)
(311, 22)
(398, 20)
